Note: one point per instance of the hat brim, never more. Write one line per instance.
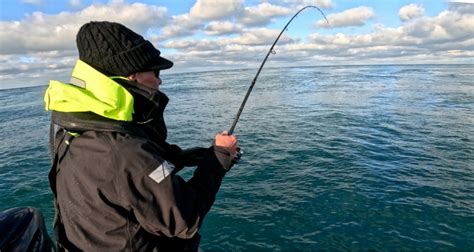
(160, 63)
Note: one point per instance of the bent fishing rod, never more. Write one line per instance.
(236, 119)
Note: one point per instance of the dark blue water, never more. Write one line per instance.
(336, 158)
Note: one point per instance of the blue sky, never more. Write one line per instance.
(37, 37)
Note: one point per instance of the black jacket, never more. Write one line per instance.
(115, 183)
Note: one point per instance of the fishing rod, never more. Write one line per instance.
(236, 119)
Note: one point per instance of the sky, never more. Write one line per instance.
(37, 37)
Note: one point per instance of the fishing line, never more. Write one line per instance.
(236, 119)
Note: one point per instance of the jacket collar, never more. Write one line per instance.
(90, 91)
(94, 101)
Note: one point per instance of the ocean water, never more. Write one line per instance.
(335, 158)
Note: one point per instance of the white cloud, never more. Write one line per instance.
(449, 33)
(448, 26)
(35, 2)
(352, 17)
(182, 25)
(42, 44)
(212, 9)
(260, 36)
(254, 37)
(324, 4)
(75, 3)
(461, 7)
(236, 52)
(462, 1)
(262, 14)
(41, 32)
(194, 45)
(187, 24)
(410, 11)
(36, 68)
(237, 17)
(215, 28)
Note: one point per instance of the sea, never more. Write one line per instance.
(336, 158)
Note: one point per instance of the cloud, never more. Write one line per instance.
(262, 14)
(448, 33)
(193, 45)
(35, 69)
(352, 17)
(42, 46)
(226, 52)
(462, 7)
(253, 37)
(75, 3)
(35, 2)
(212, 9)
(181, 26)
(40, 32)
(203, 10)
(447, 27)
(410, 11)
(237, 17)
(461, 1)
(216, 28)
(324, 4)
(260, 36)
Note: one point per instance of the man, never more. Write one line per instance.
(114, 175)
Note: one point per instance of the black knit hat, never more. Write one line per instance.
(116, 50)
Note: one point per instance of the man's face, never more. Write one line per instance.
(149, 79)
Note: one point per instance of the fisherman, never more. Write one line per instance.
(114, 174)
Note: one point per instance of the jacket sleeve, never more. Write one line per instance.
(166, 204)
